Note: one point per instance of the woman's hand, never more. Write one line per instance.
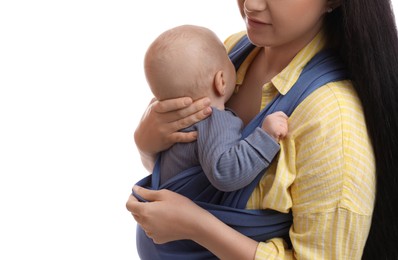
(170, 216)
(159, 126)
(167, 217)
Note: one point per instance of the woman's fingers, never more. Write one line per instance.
(168, 216)
(148, 195)
(183, 137)
(169, 105)
(192, 118)
(161, 123)
(182, 114)
(131, 203)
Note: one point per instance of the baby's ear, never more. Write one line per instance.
(219, 83)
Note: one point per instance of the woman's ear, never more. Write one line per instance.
(219, 83)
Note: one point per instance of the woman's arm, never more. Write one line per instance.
(183, 219)
(159, 126)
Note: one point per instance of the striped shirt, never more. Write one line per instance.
(325, 172)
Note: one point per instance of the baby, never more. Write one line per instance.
(191, 61)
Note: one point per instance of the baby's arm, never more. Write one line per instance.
(229, 162)
(276, 125)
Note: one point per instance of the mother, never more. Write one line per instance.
(337, 169)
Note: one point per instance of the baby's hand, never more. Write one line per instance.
(275, 125)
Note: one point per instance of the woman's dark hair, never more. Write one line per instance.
(364, 34)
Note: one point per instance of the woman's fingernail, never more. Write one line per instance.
(207, 111)
(187, 101)
(206, 102)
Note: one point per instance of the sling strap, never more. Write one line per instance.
(229, 207)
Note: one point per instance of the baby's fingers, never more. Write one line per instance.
(281, 114)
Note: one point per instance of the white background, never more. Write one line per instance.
(72, 91)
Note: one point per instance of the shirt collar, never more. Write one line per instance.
(284, 81)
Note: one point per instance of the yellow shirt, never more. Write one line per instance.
(325, 172)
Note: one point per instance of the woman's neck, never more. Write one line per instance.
(277, 58)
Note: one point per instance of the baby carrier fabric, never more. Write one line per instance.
(229, 207)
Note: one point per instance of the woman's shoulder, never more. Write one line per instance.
(339, 95)
(233, 39)
(334, 106)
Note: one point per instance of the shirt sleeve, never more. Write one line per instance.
(326, 176)
(229, 162)
(334, 235)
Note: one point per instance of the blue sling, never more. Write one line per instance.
(229, 207)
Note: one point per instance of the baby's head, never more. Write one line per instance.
(189, 61)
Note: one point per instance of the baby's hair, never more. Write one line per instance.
(182, 61)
